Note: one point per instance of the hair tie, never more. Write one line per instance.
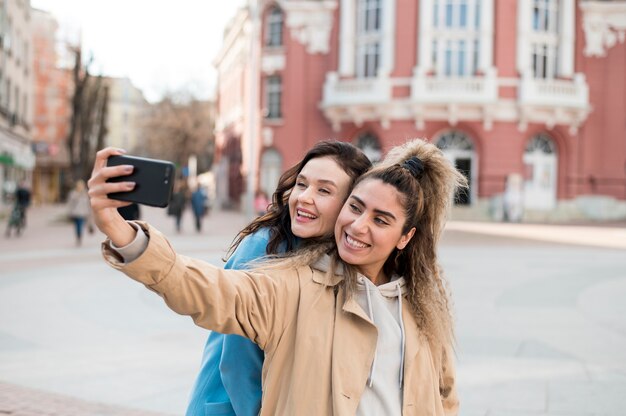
(415, 166)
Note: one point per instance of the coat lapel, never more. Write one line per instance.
(351, 361)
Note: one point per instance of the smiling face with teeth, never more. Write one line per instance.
(369, 228)
(316, 199)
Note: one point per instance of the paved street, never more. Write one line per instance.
(540, 313)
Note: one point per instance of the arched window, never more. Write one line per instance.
(455, 140)
(274, 27)
(370, 145)
(541, 143)
(459, 149)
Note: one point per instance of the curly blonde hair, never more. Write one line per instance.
(427, 197)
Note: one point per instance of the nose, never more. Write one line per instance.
(306, 196)
(359, 225)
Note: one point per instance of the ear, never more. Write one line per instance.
(405, 238)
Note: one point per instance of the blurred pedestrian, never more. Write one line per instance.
(513, 198)
(260, 202)
(17, 218)
(199, 206)
(79, 209)
(130, 212)
(177, 204)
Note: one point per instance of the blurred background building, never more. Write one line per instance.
(53, 89)
(126, 110)
(533, 88)
(16, 95)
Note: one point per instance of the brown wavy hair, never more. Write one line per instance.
(277, 219)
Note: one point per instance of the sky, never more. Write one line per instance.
(161, 45)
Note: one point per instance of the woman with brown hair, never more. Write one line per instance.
(304, 208)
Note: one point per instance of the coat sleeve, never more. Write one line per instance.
(254, 305)
(447, 384)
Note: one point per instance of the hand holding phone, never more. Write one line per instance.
(154, 180)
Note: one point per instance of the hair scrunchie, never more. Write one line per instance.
(415, 166)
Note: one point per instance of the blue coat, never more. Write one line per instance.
(229, 382)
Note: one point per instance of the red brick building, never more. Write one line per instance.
(534, 88)
(53, 86)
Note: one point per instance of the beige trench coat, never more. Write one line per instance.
(318, 349)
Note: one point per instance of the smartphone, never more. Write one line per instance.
(154, 180)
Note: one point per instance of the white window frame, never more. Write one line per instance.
(274, 27)
(554, 40)
(368, 37)
(456, 37)
(348, 33)
(273, 97)
(544, 38)
(434, 35)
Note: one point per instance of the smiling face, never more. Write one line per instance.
(317, 197)
(369, 228)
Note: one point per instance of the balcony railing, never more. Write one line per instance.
(355, 91)
(555, 92)
(428, 89)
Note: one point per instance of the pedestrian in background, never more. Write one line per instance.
(260, 202)
(78, 209)
(17, 218)
(199, 206)
(176, 207)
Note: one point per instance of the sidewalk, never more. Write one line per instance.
(605, 236)
(21, 401)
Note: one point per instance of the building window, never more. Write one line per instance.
(273, 93)
(458, 148)
(274, 28)
(456, 37)
(544, 38)
(368, 37)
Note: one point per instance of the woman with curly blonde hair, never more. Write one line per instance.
(356, 326)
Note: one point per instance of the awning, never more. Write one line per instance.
(6, 160)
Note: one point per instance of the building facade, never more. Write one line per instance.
(53, 89)
(530, 88)
(126, 108)
(16, 96)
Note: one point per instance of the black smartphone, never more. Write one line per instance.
(154, 180)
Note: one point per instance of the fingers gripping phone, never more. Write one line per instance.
(153, 179)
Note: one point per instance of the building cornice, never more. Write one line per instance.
(604, 24)
(310, 22)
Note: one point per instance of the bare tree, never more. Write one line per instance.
(176, 128)
(88, 122)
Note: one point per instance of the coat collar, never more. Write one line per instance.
(323, 277)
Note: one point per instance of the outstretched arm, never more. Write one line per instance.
(254, 305)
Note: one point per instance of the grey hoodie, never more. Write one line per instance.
(383, 305)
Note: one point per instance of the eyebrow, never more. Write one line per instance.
(377, 211)
(328, 181)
